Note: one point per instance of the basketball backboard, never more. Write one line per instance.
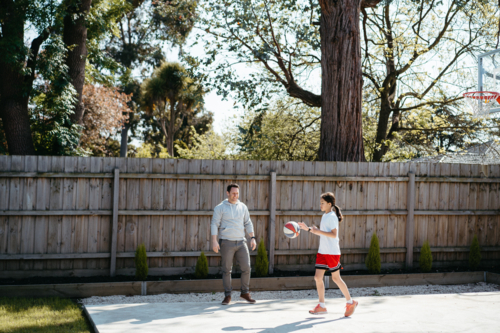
(489, 75)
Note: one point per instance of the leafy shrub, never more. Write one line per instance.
(201, 269)
(425, 258)
(475, 253)
(372, 261)
(141, 263)
(261, 262)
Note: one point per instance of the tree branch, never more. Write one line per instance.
(34, 49)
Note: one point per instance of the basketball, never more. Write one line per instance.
(291, 229)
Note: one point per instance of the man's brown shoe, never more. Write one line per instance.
(247, 298)
(226, 300)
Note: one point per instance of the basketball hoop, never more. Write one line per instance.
(481, 101)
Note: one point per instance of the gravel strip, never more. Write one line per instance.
(297, 294)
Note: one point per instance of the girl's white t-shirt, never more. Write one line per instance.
(329, 245)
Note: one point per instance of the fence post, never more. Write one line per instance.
(410, 206)
(114, 227)
(272, 221)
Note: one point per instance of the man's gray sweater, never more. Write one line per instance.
(231, 220)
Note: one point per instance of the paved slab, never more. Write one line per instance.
(469, 313)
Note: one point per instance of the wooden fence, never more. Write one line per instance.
(64, 216)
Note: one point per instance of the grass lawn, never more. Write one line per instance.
(40, 315)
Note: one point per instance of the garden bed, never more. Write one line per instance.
(257, 284)
(105, 278)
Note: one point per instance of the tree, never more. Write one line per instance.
(105, 111)
(281, 38)
(142, 31)
(141, 263)
(206, 146)
(201, 268)
(75, 37)
(261, 261)
(372, 260)
(41, 84)
(474, 253)
(285, 131)
(53, 99)
(412, 104)
(425, 260)
(17, 69)
(169, 96)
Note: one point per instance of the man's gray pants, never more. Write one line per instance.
(229, 250)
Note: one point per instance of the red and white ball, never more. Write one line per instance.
(291, 229)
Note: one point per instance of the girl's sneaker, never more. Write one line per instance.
(349, 308)
(318, 310)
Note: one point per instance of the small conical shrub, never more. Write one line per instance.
(201, 269)
(475, 253)
(261, 262)
(425, 260)
(141, 263)
(372, 261)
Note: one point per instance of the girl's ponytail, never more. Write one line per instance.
(330, 198)
(339, 213)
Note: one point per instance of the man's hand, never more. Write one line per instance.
(253, 244)
(215, 246)
(303, 226)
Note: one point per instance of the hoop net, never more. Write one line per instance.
(481, 102)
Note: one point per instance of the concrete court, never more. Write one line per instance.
(479, 312)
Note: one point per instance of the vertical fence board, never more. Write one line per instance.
(28, 222)
(42, 203)
(157, 200)
(193, 203)
(106, 222)
(70, 189)
(444, 201)
(145, 192)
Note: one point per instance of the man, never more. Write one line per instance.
(230, 220)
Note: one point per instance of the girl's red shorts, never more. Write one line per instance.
(328, 262)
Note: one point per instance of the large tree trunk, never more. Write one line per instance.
(14, 86)
(124, 140)
(75, 37)
(341, 127)
(16, 124)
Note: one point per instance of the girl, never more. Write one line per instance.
(328, 257)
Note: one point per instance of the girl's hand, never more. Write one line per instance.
(314, 229)
(303, 226)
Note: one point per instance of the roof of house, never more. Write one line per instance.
(485, 153)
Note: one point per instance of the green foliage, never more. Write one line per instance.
(425, 260)
(372, 260)
(141, 263)
(418, 113)
(172, 99)
(261, 262)
(276, 38)
(54, 99)
(475, 253)
(207, 146)
(201, 269)
(285, 131)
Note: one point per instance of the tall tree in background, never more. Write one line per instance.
(282, 38)
(17, 69)
(37, 83)
(105, 112)
(75, 37)
(169, 96)
(144, 29)
(416, 69)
